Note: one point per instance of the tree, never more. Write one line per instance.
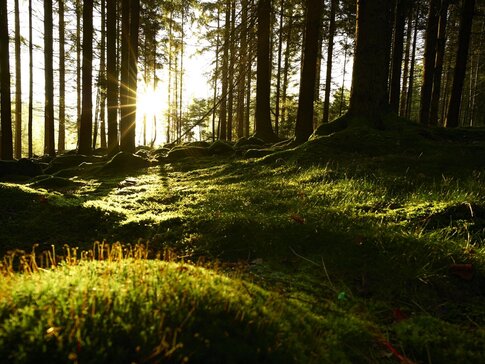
(49, 147)
(31, 83)
(429, 60)
(86, 132)
(18, 86)
(440, 55)
(224, 74)
(304, 119)
(369, 93)
(397, 54)
(62, 81)
(263, 126)
(466, 18)
(328, 78)
(129, 70)
(112, 77)
(6, 151)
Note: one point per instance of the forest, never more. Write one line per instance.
(242, 181)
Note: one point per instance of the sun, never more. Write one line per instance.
(151, 106)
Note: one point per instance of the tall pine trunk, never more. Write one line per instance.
(18, 86)
(304, 118)
(86, 127)
(102, 66)
(369, 96)
(279, 68)
(452, 118)
(263, 126)
(112, 78)
(31, 84)
(328, 77)
(61, 142)
(6, 145)
(397, 55)
(407, 55)
(49, 147)
(429, 61)
(224, 75)
(440, 55)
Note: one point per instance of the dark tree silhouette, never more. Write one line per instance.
(49, 147)
(452, 118)
(263, 128)
(304, 119)
(369, 94)
(6, 114)
(86, 132)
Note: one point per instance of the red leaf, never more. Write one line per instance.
(463, 271)
(297, 218)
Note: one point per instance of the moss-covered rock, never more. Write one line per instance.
(221, 147)
(124, 162)
(182, 152)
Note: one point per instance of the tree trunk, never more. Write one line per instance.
(78, 65)
(6, 148)
(102, 66)
(129, 142)
(232, 61)
(263, 126)
(49, 147)
(18, 86)
(286, 67)
(409, 97)
(242, 67)
(304, 118)
(169, 83)
(452, 119)
(279, 68)
(328, 77)
(407, 55)
(86, 128)
(397, 55)
(440, 55)
(112, 80)
(369, 95)
(224, 75)
(31, 84)
(216, 74)
(61, 142)
(429, 61)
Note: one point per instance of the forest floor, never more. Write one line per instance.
(361, 246)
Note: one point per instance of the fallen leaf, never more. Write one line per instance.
(463, 271)
(297, 218)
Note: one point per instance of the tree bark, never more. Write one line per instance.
(31, 84)
(304, 118)
(49, 147)
(397, 55)
(242, 66)
(102, 66)
(440, 55)
(18, 86)
(452, 119)
(224, 74)
(263, 126)
(279, 68)
(369, 95)
(407, 55)
(61, 142)
(6, 148)
(328, 76)
(429, 61)
(86, 127)
(112, 79)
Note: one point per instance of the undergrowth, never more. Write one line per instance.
(329, 252)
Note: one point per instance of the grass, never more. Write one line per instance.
(361, 246)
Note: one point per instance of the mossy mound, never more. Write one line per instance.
(221, 147)
(182, 152)
(22, 167)
(54, 182)
(68, 161)
(151, 311)
(124, 162)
